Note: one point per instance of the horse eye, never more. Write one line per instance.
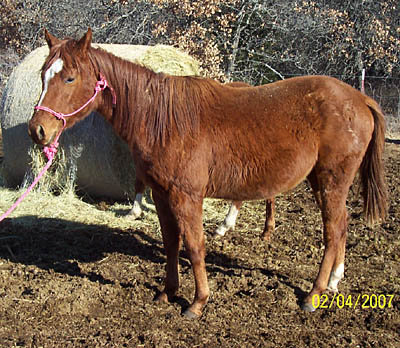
(69, 80)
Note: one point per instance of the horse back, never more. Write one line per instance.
(267, 139)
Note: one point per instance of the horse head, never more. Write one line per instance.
(68, 81)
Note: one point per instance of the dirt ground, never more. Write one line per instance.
(79, 285)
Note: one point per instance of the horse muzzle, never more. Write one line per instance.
(41, 133)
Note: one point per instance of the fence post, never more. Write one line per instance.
(362, 87)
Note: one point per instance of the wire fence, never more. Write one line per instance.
(386, 91)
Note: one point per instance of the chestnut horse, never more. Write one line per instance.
(193, 138)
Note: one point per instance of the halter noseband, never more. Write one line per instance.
(101, 85)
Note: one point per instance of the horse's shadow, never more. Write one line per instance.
(51, 244)
(60, 247)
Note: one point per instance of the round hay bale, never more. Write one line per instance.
(95, 159)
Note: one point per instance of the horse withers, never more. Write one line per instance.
(193, 138)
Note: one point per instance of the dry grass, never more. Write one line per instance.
(67, 206)
(41, 204)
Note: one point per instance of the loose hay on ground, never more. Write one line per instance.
(67, 206)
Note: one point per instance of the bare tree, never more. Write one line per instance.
(257, 41)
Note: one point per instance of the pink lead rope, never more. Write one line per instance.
(51, 150)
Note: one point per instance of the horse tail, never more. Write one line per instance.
(372, 171)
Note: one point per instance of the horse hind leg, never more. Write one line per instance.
(230, 219)
(337, 272)
(137, 210)
(269, 219)
(333, 188)
(312, 179)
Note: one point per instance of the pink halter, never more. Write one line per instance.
(101, 85)
(51, 150)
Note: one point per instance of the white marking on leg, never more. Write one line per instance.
(335, 277)
(137, 206)
(229, 222)
(55, 68)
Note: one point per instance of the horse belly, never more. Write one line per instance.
(262, 179)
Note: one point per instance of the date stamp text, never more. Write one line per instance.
(362, 301)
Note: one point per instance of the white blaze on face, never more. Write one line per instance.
(55, 68)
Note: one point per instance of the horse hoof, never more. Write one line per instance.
(220, 231)
(134, 215)
(266, 237)
(308, 307)
(190, 315)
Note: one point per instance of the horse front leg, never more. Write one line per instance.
(181, 216)
(172, 238)
(195, 247)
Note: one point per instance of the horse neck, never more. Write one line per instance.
(126, 78)
(151, 108)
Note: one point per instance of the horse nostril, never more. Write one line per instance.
(40, 132)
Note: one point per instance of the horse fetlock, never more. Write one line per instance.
(266, 235)
(229, 222)
(136, 211)
(335, 277)
(165, 296)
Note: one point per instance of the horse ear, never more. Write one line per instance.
(85, 42)
(50, 39)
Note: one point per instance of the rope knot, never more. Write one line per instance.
(101, 85)
(51, 150)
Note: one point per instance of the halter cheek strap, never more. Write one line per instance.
(51, 150)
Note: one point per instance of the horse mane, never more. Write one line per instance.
(155, 103)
